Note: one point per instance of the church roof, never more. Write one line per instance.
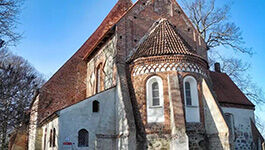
(227, 92)
(163, 39)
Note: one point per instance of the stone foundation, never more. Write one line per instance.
(197, 136)
(158, 142)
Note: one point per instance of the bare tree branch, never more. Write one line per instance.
(214, 26)
(9, 9)
(18, 81)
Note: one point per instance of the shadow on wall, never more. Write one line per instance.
(140, 128)
(213, 138)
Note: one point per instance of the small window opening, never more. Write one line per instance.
(95, 106)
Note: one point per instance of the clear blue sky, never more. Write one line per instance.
(55, 29)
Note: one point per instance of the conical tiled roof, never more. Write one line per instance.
(163, 40)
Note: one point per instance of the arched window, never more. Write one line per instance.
(95, 106)
(45, 136)
(83, 138)
(98, 78)
(155, 100)
(53, 139)
(191, 99)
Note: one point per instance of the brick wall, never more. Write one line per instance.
(138, 20)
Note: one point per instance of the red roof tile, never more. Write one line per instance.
(226, 90)
(163, 40)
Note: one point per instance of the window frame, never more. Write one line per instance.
(149, 92)
(155, 114)
(193, 91)
(194, 108)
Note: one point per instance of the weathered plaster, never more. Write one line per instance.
(100, 125)
(242, 126)
(54, 124)
(105, 57)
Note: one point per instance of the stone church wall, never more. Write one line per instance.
(242, 127)
(197, 136)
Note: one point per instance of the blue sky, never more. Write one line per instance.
(53, 31)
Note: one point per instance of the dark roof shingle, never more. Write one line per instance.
(226, 90)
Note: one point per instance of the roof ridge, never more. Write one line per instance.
(109, 24)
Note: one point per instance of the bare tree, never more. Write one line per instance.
(214, 26)
(217, 30)
(18, 81)
(9, 10)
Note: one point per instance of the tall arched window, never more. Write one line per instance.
(155, 100)
(98, 78)
(83, 138)
(53, 139)
(191, 99)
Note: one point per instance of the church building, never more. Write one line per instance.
(142, 81)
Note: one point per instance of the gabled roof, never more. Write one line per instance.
(163, 39)
(227, 92)
(62, 89)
